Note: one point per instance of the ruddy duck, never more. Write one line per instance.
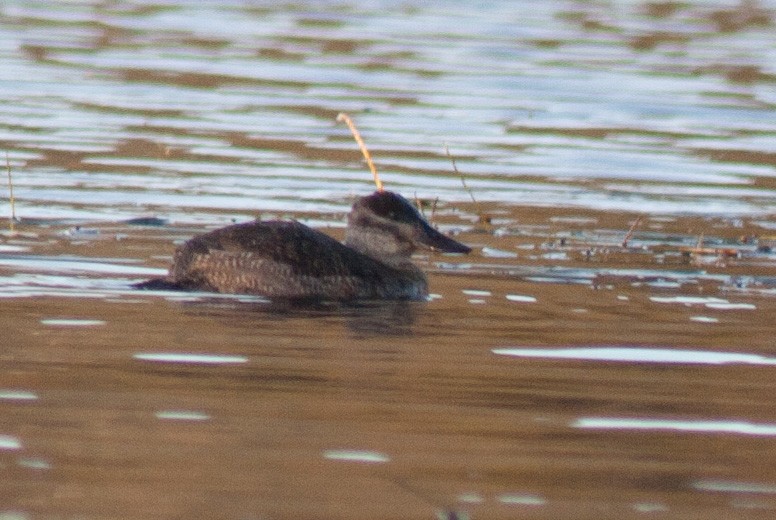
(288, 260)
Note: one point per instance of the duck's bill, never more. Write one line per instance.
(432, 238)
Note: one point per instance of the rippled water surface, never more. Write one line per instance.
(606, 351)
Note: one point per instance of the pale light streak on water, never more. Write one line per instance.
(693, 426)
(639, 355)
(204, 359)
(708, 302)
(522, 500)
(70, 322)
(521, 298)
(17, 395)
(356, 456)
(8, 442)
(94, 265)
(181, 415)
(734, 487)
(33, 463)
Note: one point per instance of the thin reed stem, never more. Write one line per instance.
(357, 136)
(463, 179)
(481, 216)
(11, 198)
(629, 234)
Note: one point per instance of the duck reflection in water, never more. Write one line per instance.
(287, 260)
(364, 319)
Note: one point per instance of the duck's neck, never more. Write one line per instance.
(381, 245)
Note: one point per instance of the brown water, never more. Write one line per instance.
(556, 372)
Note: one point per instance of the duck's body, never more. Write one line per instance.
(288, 260)
(281, 259)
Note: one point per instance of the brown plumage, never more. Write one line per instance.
(288, 260)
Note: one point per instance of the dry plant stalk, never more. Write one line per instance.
(11, 198)
(419, 205)
(463, 180)
(357, 136)
(629, 234)
(698, 250)
(482, 217)
(433, 208)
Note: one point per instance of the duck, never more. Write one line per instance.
(287, 260)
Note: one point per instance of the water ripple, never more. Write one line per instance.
(356, 456)
(639, 355)
(231, 92)
(184, 358)
(695, 426)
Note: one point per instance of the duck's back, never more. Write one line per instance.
(281, 259)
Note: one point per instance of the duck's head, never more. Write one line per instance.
(385, 226)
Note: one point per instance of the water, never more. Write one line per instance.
(605, 352)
